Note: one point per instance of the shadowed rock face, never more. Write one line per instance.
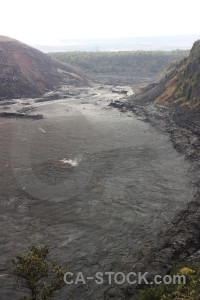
(27, 72)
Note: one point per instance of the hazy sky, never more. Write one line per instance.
(48, 21)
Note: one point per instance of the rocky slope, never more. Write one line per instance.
(177, 111)
(27, 72)
(179, 90)
(182, 88)
(181, 85)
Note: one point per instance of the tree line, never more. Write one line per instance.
(129, 62)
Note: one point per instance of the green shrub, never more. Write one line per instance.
(188, 291)
(35, 274)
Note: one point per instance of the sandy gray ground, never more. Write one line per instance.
(126, 184)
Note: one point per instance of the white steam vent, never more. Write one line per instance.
(72, 162)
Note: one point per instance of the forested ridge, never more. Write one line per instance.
(130, 62)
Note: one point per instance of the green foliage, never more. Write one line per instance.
(152, 293)
(140, 62)
(188, 79)
(34, 273)
(188, 291)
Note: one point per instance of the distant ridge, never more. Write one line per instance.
(27, 72)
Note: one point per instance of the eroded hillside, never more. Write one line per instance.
(27, 72)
